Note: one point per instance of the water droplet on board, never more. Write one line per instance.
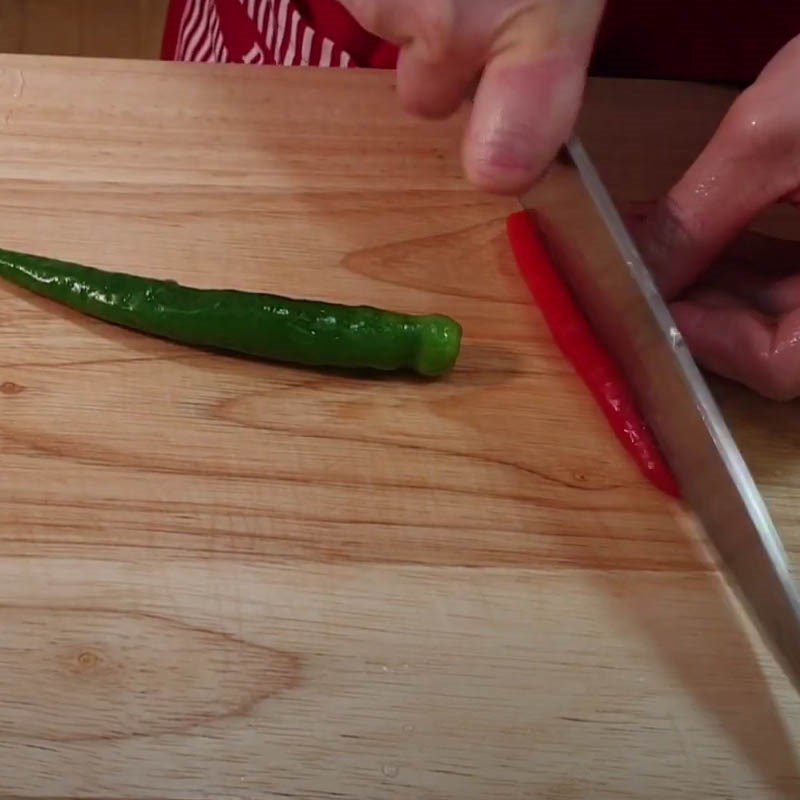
(408, 729)
(390, 770)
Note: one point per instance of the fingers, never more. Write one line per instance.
(781, 296)
(436, 65)
(529, 58)
(742, 344)
(428, 89)
(743, 320)
(752, 161)
(392, 20)
(529, 95)
(769, 292)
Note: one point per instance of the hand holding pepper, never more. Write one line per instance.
(737, 299)
(525, 61)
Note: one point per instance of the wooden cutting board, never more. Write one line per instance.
(228, 579)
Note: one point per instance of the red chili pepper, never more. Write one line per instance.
(572, 333)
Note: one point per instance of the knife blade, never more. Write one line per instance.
(602, 265)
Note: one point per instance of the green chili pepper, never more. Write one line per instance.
(263, 325)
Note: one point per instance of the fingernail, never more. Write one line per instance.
(522, 116)
(508, 155)
(504, 160)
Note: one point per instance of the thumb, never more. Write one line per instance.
(751, 162)
(529, 95)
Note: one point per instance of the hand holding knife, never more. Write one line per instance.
(612, 285)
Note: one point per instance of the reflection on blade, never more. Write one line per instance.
(599, 260)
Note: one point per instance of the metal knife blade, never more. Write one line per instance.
(600, 262)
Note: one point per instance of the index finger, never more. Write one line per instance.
(752, 161)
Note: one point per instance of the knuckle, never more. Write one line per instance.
(779, 392)
(753, 127)
(425, 104)
(761, 132)
(369, 14)
(430, 109)
(437, 29)
(672, 227)
(776, 382)
(742, 121)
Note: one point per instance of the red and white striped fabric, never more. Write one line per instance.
(656, 39)
(267, 32)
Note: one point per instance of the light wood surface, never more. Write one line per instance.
(228, 579)
(96, 28)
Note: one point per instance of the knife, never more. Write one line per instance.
(615, 290)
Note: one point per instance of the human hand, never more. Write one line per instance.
(742, 318)
(527, 58)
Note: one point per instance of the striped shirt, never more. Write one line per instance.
(284, 32)
(700, 40)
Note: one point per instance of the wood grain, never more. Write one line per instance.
(94, 28)
(224, 578)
